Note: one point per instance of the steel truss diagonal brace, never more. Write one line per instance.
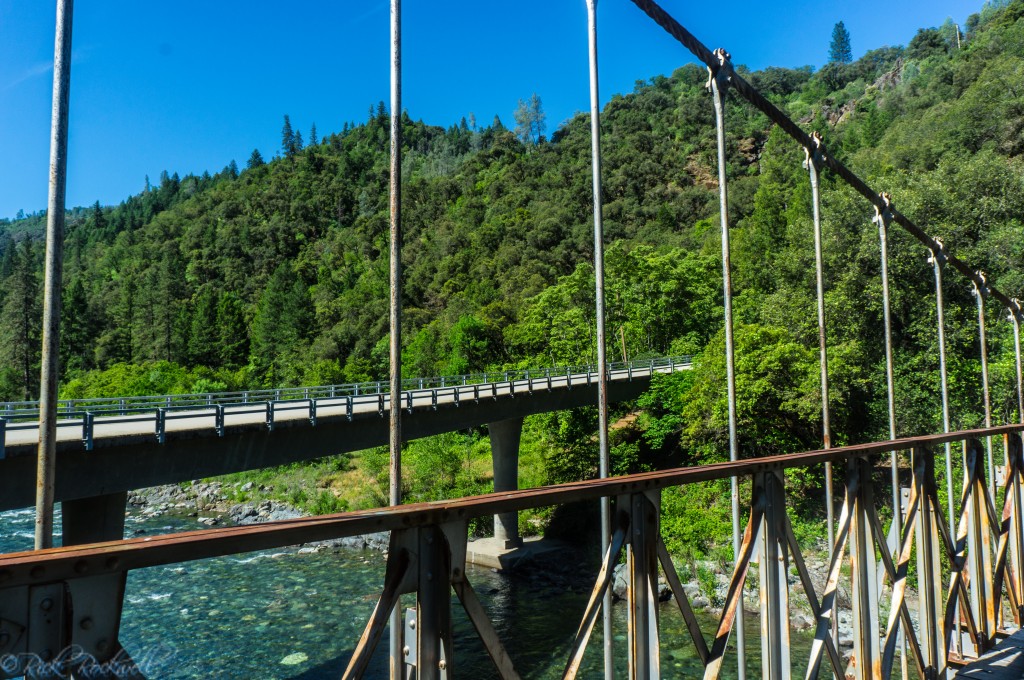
(620, 521)
(734, 597)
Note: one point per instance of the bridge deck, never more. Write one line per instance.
(1005, 662)
(126, 453)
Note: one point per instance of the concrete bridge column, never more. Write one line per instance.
(93, 520)
(505, 435)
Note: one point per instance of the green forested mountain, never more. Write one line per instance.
(277, 274)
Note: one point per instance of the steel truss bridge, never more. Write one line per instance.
(966, 550)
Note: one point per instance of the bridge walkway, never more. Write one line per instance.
(1004, 662)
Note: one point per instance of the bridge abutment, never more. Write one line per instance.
(505, 436)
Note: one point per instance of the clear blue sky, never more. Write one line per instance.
(188, 86)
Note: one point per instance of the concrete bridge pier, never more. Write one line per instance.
(93, 520)
(505, 435)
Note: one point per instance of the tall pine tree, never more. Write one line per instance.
(22, 311)
(287, 138)
(839, 51)
(255, 160)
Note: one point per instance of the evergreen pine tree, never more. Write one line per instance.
(279, 327)
(99, 221)
(233, 346)
(313, 141)
(76, 328)
(19, 335)
(522, 118)
(255, 160)
(530, 117)
(203, 336)
(839, 51)
(537, 118)
(287, 138)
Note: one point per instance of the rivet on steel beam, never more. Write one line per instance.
(113, 563)
(442, 664)
(46, 605)
(37, 571)
(102, 646)
(86, 623)
(405, 651)
(81, 567)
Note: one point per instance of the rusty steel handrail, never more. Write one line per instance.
(136, 553)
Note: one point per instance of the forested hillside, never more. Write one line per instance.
(276, 274)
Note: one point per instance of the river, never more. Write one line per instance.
(298, 614)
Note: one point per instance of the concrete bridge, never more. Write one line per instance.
(110, 446)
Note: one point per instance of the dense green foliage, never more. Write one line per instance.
(277, 275)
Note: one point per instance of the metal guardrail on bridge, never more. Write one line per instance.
(980, 568)
(273, 403)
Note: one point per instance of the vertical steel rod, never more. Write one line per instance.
(981, 292)
(717, 82)
(602, 362)
(815, 159)
(395, 321)
(938, 259)
(47, 458)
(882, 219)
(1015, 315)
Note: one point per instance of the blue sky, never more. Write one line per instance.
(188, 86)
